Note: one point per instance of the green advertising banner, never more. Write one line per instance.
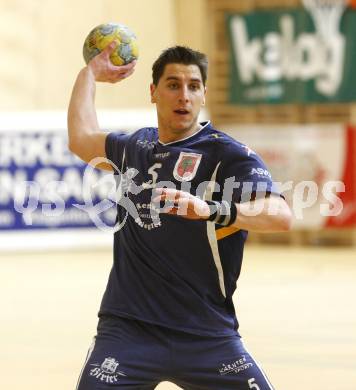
(281, 56)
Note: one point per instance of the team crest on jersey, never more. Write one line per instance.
(186, 166)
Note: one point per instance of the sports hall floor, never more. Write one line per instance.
(296, 308)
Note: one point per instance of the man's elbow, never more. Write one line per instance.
(280, 215)
(285, 220)
(73, 149)
(73, 146)
(74, 137)
(78, 151)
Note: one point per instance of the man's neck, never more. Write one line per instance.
(168, 136)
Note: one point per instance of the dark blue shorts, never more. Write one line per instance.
(130, 354)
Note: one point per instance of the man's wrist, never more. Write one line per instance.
(222, 213)
(87, 73)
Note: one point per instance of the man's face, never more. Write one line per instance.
(179, 96)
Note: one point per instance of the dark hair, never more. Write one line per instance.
(179, 55)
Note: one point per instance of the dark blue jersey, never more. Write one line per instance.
(169, 270)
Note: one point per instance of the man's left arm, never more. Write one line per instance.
(268, 214)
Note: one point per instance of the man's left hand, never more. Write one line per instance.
(184, 204)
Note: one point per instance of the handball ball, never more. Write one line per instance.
(101, 36)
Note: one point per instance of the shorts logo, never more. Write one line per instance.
(186, 166)
(107, 372)
(235, 367)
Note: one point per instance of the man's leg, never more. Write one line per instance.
(124, 356)
(217, 364)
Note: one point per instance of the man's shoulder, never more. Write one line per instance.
(144, 133)
(230, 145)
(149, 130)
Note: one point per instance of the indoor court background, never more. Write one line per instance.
(296, 308)
(295, 298)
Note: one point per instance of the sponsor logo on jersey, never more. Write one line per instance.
(146, 144)
(148, 216)
(215, 135)
(248, 150)
(261, 172)
(235, 367)
(107, 371)
(186, 166)
(161, 155)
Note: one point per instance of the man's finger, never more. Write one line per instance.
(127, 74)
(116, 74)
(168, 193)
(119, 72)
(122, 69)
(128, 66)
(110, 48)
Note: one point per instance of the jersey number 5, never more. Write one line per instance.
(152, 171)
(253, 385)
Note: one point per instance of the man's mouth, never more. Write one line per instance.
(181, 111)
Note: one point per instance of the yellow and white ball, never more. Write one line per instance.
(101, 36)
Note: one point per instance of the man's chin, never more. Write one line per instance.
(184, 126)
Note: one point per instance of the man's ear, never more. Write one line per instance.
(203, 102)
(152, 91)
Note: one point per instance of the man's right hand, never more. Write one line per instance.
(86, 140)
(103, 70)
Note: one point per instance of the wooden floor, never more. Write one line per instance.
(296, 308)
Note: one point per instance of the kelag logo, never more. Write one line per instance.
(292, 55)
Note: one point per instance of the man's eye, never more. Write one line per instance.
(194, 87)
(173, 86)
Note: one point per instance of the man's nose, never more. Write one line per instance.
(184, 94)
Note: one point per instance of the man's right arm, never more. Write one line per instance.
(85, 139)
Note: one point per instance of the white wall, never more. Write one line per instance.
(41, 49)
